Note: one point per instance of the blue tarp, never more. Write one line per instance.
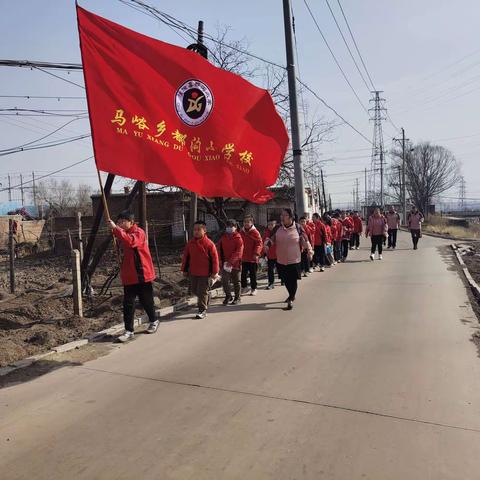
(6, 207)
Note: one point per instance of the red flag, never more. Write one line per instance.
(164, 114)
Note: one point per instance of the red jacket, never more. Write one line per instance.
(310, 231)
(200, 257)
(272, 249)
(328, 234)
(230, 249)
(320, 233)
(347, 230)
(357, 225)
(137, 265)
(252, 245)
(336, 230)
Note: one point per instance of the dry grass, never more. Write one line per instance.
(442, 226)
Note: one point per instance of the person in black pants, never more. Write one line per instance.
(144, 292)
(305, 262)
(290, 240)
(377, 229)
(252, 249)
(347, 229)
(270, 255)
(377, 242)
(393, 223)
(137, 272)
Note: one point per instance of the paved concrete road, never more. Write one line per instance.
(372, 376)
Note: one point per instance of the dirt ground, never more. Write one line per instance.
(472, 261)
(39, 316)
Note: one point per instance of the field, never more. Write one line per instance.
(451, 228)
(39, 315)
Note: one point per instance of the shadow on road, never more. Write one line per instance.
(73, 358)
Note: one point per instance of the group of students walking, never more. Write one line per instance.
(289, 249)
(383, 227)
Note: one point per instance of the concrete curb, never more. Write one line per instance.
(111, 331)
(473, 284)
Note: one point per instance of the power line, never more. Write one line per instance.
(355, 43)
(59, 77)
(346, 44)
(29, 97)
(333, 55)
(45, 136)
(11, 151)
(169, 20)
(178, 24)
(47, 175)
(35, 64)
(333, 110)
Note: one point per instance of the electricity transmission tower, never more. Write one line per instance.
(462, 193)
(376, 184)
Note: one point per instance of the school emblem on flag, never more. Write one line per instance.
(193, 102)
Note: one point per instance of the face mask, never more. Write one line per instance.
(229, 229)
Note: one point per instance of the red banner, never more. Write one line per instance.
(163, 114)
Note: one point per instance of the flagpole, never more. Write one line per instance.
(198, 47)
(107, 213)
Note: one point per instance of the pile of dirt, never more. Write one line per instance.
(40, 314)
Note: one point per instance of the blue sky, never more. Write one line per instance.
(414, 51)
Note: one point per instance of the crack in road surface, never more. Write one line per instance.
(286, 399)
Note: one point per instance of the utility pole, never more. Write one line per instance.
(366, 194)
(34, 190)
(292, 95)
(323, 190)
(357, 198)
(404, 187)
(330, 202)
(403, 182)
(21, 190)
(200, 48)
(9, 189)
(400, 185)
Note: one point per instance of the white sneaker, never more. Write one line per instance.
(253, 293)
(200, 315)
(380, 257)
(372, 256)
(322, 269)
(245, 290)
(310, 270)
(126, 337)
(153, 326)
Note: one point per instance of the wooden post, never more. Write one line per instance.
(80, 239)
(11, 251)
(70, 240)
(156, 250)
(77, 284)
(185, 232)
(52, 233)
(96, 223)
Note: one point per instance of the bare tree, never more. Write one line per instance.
(62, 198)
(430, 170)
